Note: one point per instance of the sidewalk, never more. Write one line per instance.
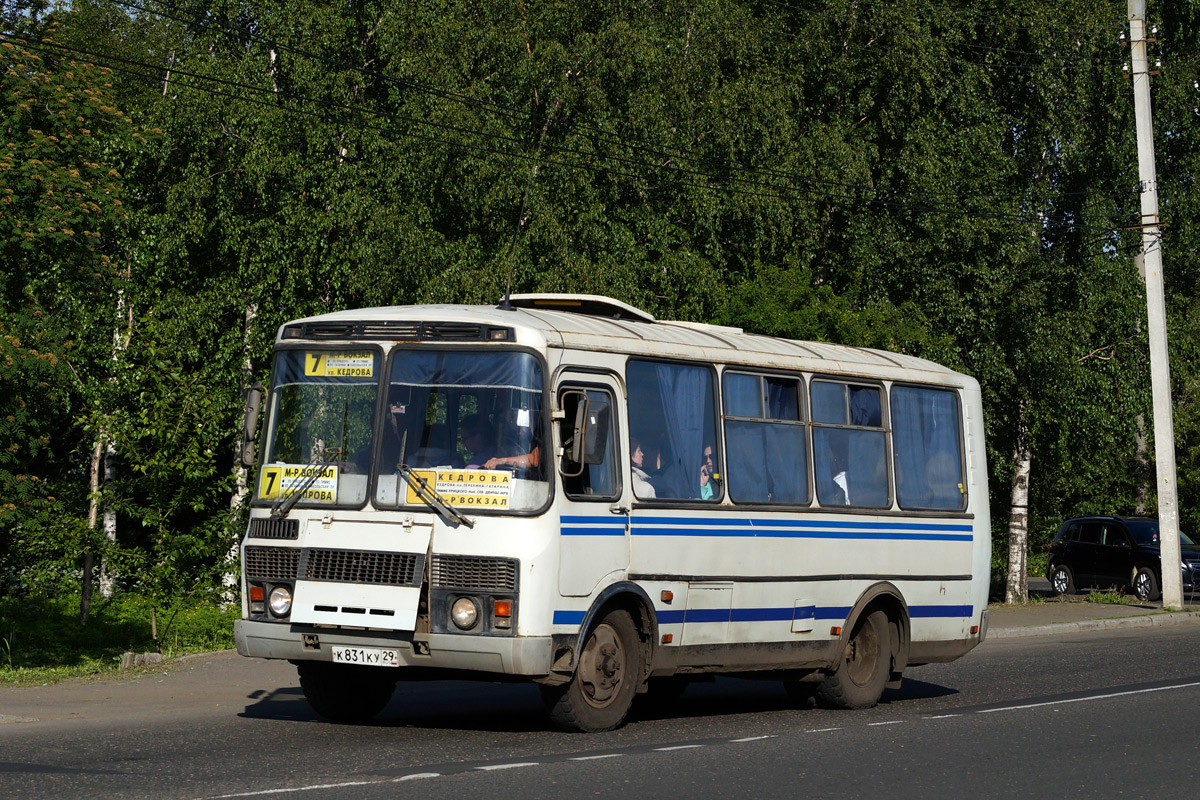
(1047, 614)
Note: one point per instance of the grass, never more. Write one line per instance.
(1115, 598)
(41, 640)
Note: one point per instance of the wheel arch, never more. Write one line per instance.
(624, 596)
(884, 596)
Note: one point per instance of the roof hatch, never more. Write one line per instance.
(592, 305)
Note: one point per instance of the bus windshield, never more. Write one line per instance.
(469, 421)
(322, 412)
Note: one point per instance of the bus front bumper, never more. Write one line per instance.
(508, 655)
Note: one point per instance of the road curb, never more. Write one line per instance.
(1141, 621)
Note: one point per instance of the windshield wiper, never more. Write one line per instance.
(427, 493)
(284, 504)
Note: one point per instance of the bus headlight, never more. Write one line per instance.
(280, 601)
(465, 613)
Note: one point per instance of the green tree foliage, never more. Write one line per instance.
(951, 180)
(61, 195)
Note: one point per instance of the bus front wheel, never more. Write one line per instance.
(344, 692)
(599, 694)
(858, 679)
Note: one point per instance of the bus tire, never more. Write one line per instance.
(344, 692)
(858, 679)
(599, 694)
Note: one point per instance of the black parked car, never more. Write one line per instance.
(1115, 552)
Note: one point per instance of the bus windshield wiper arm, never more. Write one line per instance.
(430, 495)
(284, 504)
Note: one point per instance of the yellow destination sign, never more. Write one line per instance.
(285, 480)
(472, 488)
(339, 365)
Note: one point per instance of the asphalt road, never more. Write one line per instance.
(1098, 714)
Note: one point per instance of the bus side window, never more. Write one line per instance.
(766, 448)
(849, 445)
(594, 477)
(927, 445)
(672, 415)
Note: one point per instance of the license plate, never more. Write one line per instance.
(370, 656)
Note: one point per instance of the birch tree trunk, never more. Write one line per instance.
(1017, 588)
(241, 487)
(121, 334)
(85, 588)
(110, 519)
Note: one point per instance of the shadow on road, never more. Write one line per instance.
(517, 707)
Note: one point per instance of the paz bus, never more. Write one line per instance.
(566, 490)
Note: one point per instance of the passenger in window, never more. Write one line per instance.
(478, 438)
(652, 464)
(709, 487)
(642, 487)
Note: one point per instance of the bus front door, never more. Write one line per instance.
(594, 526)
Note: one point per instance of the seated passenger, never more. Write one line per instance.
(642, 487)
(477, 437)
(709, 486)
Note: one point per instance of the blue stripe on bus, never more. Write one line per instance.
(568, 617)
(941, 611)
(695, 615)
(768, 528)
(801, 533)
(716, 521)
(720, 521)
(593, 531)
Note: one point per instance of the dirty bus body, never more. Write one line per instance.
(567, 490)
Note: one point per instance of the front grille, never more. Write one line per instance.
(363, 566)
(272, 563)
(399, 331)
(475, 573)
(272, 528)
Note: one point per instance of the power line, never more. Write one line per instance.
(771, 191)
(706, 163)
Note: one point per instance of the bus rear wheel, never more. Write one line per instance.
(859, 677)
(345, 692)
(599, 694)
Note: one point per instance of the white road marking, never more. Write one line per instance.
(593, 758)
(418, 775)
(298, 789)
(1090, 697)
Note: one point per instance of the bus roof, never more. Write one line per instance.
(593, 322)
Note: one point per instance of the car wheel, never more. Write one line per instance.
(1145, 585)
(1061, 580)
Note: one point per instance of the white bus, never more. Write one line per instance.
(564, 489)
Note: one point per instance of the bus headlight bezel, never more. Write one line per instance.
(465, 613)
(279, 601)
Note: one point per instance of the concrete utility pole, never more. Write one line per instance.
(1160, 367)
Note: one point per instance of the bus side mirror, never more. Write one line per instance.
(574, 432)
(254, 398)
(595, 435)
